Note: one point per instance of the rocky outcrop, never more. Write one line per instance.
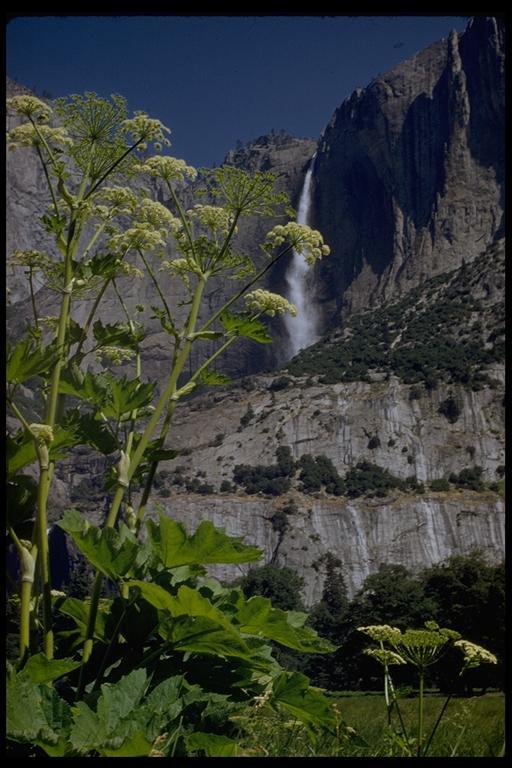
(415, 532)
(409, 175)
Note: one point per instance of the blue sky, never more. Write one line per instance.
(218, 79)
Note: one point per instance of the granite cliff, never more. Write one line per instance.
(409, 176)
(407, 382)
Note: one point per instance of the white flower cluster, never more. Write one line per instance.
(385, 656)
(212, 217)
(141, 236)
(304, 239)
(30, 106)
(382, 633)
(31, 259)
(269, 303)
(143, 127)
(167, 168)
(27, 135)
(474, 655)
(156, 214)
(129, 270)
(116, 355)
(121, 198)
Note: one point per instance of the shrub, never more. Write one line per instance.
(279, 521)
(226, 487)
(247, 417)
(471, 477)
(374, 442)
(450, 409)
(439, 484)
(285, 460)
(368, 478)
(281, 383)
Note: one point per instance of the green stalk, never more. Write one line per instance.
(246, 287)
(27, 579)
(434, 729)
(26, 594)
(112, 167)
(420, 713)
(33, 298)
(166, 395)
(157, 286)
(88, 322)
(48, 180)
(165, 428)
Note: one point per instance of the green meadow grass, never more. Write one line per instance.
(471, 727)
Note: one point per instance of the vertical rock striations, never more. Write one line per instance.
(409, 175)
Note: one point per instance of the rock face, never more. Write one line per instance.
(408, 184)
(409, 174)
(415, 532)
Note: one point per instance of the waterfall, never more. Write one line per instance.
(303, 329)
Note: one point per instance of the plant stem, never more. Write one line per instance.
(434, 729)
(420, 712)
(83, 337)
(43, 559)
(89, 634)
(165, 397)
(26, 594)
(33, 298)
(246, 287)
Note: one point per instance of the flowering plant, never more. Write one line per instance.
(107, 231)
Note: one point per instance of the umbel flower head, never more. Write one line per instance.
(28, 135)
(269, 303)
(304, 240)
(167, 168)
(146, 128)
(30, 106)
(474, 655)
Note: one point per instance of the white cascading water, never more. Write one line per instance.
(302, 329)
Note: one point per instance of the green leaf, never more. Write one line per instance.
(258, 617)
(78, 610)
(201, 634)
(212, 745)
(187, 602)
(102, 265)
(35, 712)
(90, 431)
(208, 544)
(74, 331)
(165, 322)
(21, 449)
(91, 387)
(136, 745)
(21, 499)
(213, 378)
(126, 395)
(113, 722)
(111, 552)
(238, 325)
(27, 359)
(118, 335)
(293, 692)
(42, 670)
